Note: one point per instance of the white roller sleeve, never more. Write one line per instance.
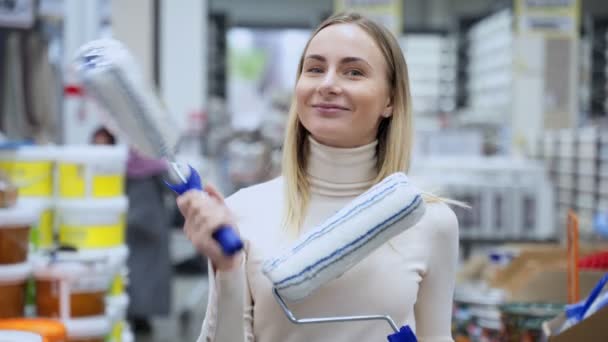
(110, 74)
(348, 236)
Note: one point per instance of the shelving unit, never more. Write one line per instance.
(577, 161)
(431, 62)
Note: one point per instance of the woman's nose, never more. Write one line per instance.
(330, 84)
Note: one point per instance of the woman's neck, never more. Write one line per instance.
(334, 171)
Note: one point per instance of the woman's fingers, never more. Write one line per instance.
(204, 213)
(214, 192)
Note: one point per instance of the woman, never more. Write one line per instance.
(349, 127)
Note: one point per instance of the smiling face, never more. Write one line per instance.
(342, 92)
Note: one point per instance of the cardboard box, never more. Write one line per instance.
(592, 329)
(539, 274)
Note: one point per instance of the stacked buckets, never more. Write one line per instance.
(70, 197)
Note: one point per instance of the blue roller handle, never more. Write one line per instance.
(405, 334)
(225, 235)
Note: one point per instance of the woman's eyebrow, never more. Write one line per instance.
(347, 60)
(344, 60)
(316, 57)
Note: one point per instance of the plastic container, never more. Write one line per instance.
(92, 224)
(92, 329)
(115, 259)
(15, 226)
(50, 330)
(127, 334)
(70, 285)
(42, 234)
(30, 168)
(19, 336)
(91, 171)
(119, 283)
(117, 312)
(13, 280)
(8, 191)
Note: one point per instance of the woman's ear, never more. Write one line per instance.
(388, 109)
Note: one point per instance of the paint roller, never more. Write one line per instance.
(343, 240)
(110, 74)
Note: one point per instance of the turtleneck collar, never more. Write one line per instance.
(336, 171)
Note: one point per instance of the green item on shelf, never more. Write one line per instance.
(524, 320)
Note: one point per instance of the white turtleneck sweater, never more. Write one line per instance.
(410, 278)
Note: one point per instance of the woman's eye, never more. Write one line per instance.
(354, 72)
(314, 70)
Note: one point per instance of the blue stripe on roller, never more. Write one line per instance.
(373, 193)
(351, 247)
(374, 197)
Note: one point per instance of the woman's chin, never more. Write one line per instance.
(328, 137)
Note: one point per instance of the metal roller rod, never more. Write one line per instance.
(318, 320)
(178, 172)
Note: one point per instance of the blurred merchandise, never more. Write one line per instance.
(218, 129)
(19, 336)
(92, 223)
(85, 281)
(600, 224)
(90, 329)
(273, 123)
(583, 321)
(490, 62)
(30, 168)
(91, 171)
(42, 233)
(85, 290)
(508, 293)
(49, 329)
(431, 62)
(510, 198)
(575, 164)
(523, 321)
(248, 159)
(8, 191)
(15, 225)
(13, 282)
(72, 197)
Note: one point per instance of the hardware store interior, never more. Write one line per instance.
(104, 104)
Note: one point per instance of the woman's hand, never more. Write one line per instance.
(204, 213)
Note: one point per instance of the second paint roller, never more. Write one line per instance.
(110, 74)
(342, 241)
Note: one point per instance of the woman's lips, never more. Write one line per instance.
(329, 108)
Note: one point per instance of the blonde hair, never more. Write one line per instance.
(394, 133)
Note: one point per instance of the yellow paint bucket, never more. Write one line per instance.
(92, 223)
(91, 171)
(30, 168)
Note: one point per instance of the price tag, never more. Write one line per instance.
(548, 17)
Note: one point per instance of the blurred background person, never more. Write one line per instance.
(102, 136)
(148, 235)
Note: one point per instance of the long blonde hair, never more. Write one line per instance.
(394, 133)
